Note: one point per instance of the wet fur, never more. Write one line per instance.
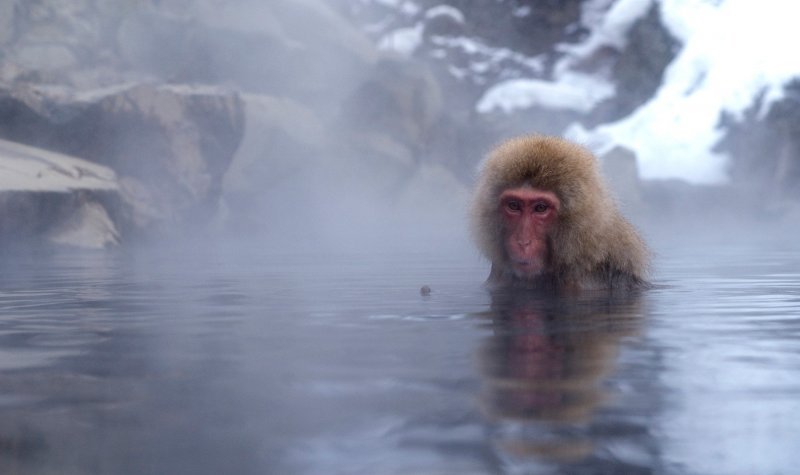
(591, 247)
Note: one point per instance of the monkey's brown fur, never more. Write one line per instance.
(591, 246)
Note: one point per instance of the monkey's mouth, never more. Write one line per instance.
(526, 261)
(526, 267)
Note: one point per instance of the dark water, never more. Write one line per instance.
(205, 361)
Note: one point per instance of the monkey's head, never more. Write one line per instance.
(541, 209)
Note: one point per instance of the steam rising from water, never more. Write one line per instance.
(292, 337)
(334, 153)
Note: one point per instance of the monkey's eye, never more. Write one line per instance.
(540, 207)
(514, 206)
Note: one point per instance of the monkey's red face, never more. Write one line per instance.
(528, 215)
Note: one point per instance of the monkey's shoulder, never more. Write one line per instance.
(604, 277)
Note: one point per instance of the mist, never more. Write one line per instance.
(235, 237)
(361, 125)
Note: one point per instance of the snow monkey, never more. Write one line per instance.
(542, 215)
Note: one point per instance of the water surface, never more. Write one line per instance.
(209, 360)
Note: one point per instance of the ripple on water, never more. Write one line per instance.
(208, 365)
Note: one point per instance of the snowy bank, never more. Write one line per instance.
(576, 92)
(24, 168)
(733, 53)
(55, 196)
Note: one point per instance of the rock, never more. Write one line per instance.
(638, 69)
(444, 20)
(89, 226)
(49, 40)
(283, 142)
(283, 48)
(622, 174)
(764, 147)
(49, 194)
(281, 137)
(397, 119)
(398, 99)
(170, 145)
(33, 169)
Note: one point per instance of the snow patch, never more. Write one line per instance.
(491, 56)
(24, 168)
(570, 90)
(403, 6)
(403, 40)
(445, 10)
(612, 31)
(574, 92)
(734, 51)
(521, 11)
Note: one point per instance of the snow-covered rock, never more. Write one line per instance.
(89, 226)
(31, 169)
(64, 198)
(169, 145)
(731, 58)
(575, 92)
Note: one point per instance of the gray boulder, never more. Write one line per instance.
(57, 197)
(169, 145)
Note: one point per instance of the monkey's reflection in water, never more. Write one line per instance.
(544, 370)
